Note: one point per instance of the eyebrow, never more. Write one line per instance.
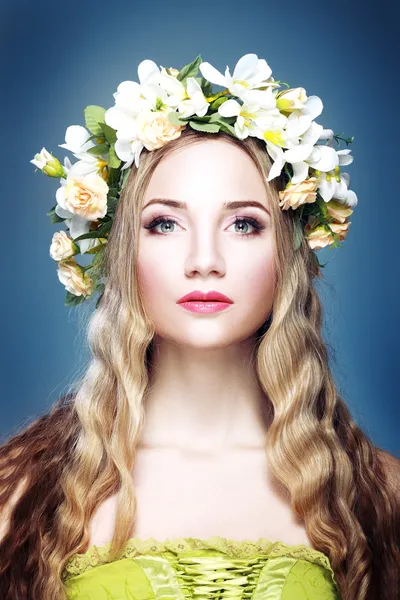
(226, 206)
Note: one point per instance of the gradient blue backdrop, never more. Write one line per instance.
(58, 58)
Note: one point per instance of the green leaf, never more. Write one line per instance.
(99, 150)
(72, 300)
(206, 127)
(189, 70)
(89, 235)
(113, 179)
(297, 233)
(113, 160)
(225, 125)
(217, 103)
(112, 203)
(124, 176)
(174, 119)
(206, 86)
(100, 287)
(54, 218)
(109, 132)
(93, 116)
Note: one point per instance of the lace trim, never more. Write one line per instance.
(97, 555)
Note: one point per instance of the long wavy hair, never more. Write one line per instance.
(56, 472)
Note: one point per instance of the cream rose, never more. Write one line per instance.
(74, 278)
(62, 246)
(299, 193)
(85, 196)
(154, 129)
(320, 237)
(340, 212)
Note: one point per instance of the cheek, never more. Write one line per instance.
(257, 284)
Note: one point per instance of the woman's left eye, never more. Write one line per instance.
(257, 227)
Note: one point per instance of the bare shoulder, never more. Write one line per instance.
(392, 467)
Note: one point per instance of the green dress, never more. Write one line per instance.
(216, 568)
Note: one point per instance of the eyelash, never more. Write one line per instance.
(253, 222)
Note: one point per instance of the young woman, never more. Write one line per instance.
(207, 446)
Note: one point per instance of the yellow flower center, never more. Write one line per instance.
(274, 136)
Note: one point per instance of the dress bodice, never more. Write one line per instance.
(214, 568)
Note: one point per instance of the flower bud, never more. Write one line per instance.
(50, 165)
(290, 100)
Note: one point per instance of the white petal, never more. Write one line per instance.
(245, 67)
(346, 178)
(212, 74)
(117, 118)
(344, 157)
(297, 123)
(60, 197)
(311, 136)
(63, 213)
(264, 99)
(313, 106)
(298, 153)
(276, 168)
(351, 199)
(76, 139)
(147, 68)
(326, 188)
(230, 108)
(123, 149)
(326, 134)
(300, 172)
(325, 159)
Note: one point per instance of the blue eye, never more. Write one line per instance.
(239, 220)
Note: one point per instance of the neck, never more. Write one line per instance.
(204, 399)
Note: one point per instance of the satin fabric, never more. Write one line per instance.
(215, 568)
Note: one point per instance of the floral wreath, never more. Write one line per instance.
(151, 113)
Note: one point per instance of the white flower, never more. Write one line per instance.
(194, 102)
(250, 73)
(77, 142)
(132, 98)
(330, 187)
(256, 115)
(62, 246)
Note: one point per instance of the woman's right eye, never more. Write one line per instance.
(159, 221)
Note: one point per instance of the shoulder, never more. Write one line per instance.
(391, 466)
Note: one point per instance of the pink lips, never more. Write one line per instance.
(198, 301)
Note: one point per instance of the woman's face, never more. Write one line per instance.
(202, 248)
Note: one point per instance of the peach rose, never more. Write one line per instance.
(338, 211)
(299, 193)
(319, 237)
(74, 278)
(154, 129)
(62, 246)
(85, 196)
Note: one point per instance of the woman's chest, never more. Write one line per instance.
(232, 496)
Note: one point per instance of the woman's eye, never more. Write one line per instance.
(242, 223)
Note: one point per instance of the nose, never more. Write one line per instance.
(204, 255)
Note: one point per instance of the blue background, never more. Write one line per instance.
(59, 58)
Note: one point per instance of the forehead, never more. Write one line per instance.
(214, 171)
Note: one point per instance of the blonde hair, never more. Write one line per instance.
(84, 450)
